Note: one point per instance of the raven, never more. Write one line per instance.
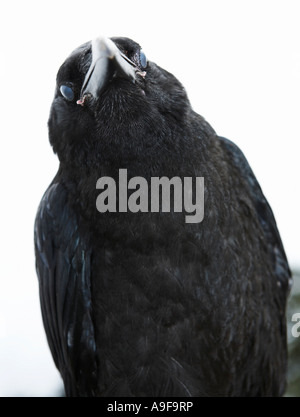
(146, 304)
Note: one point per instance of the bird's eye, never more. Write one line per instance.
(143, 60)
(67, 92)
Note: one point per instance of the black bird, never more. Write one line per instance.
(145, 304)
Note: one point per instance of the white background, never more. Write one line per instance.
(240, 63)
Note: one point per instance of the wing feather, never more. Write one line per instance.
(63, 263)
(264, 213)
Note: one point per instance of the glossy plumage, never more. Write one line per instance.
(144, 304)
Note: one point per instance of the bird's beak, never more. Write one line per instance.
(108, 62)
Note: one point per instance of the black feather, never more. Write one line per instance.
(64, 268)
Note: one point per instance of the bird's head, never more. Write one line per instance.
(111, 100)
